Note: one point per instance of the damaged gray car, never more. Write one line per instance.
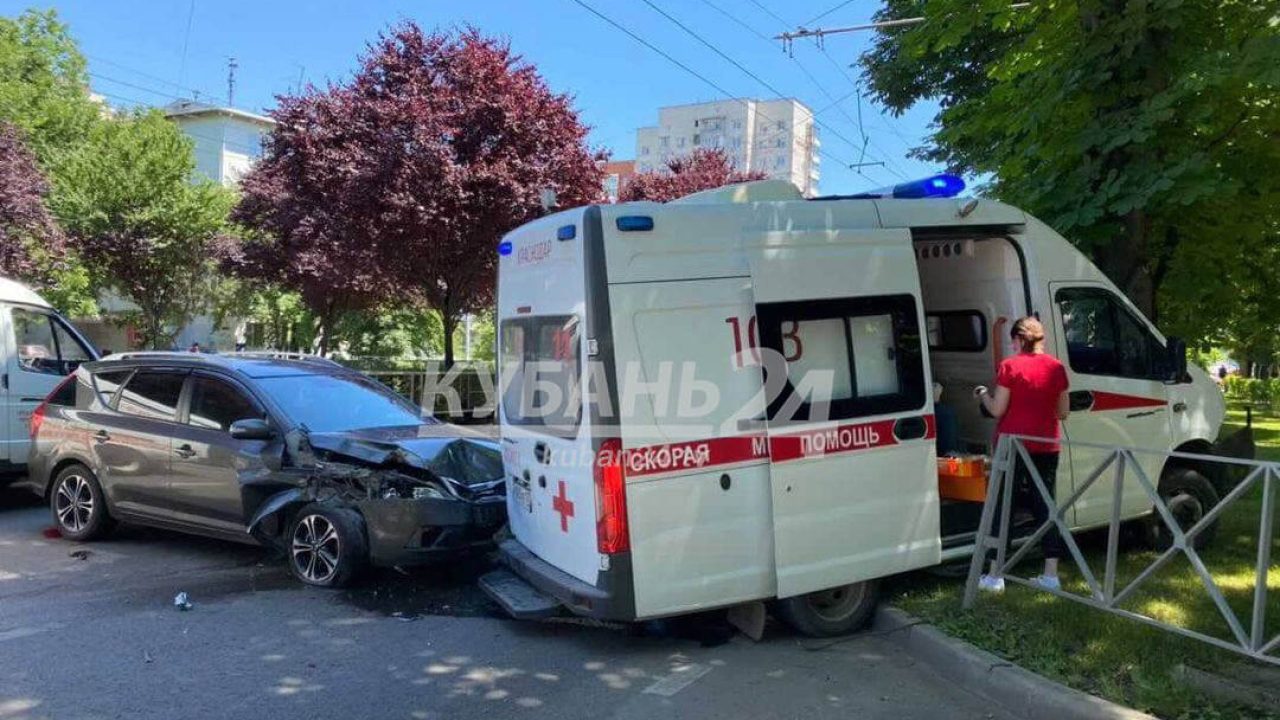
(330, 467)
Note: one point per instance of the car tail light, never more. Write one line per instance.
(37, 418)
(612, 534)
(37, 415)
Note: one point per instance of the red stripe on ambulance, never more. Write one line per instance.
(717, 452)
(695, 455)
(832, 440)
(1116, 401)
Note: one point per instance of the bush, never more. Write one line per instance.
(1253, 390)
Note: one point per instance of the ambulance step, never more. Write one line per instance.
(520, 599)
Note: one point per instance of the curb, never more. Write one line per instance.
(1024, 693)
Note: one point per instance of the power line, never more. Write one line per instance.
(745, 70)
(685, 67)
(186, 41)
(816, 83)
(771, 13)
(818, 17)
(188, 90)
(891, 165)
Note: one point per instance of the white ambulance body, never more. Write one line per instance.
(38, 349)
(668, 479)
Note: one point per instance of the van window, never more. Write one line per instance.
(1105, 338)
(957, 331)
(152, 394)
(843, 358)
(44, 344)
(541, 371)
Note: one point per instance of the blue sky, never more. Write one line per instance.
(140, 51)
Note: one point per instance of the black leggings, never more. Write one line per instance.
(1025, 496)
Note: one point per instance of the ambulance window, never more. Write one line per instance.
(1105, 338)
(842, 358)
(957, 331)
(541, 367)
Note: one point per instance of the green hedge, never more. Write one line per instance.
(1253, 390)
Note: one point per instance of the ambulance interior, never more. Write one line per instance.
(973, 289)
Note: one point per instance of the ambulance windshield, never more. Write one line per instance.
(541, 367)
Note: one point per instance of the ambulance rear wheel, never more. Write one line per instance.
(837, 611)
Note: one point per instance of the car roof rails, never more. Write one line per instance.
(222, 357)
(282, 355)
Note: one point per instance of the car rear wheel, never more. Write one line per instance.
(837, 611)
(78, 506)
(327, 546)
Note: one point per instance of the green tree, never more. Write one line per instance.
(44, 84)
(133, 214)
(44, 93)
(1137, 128)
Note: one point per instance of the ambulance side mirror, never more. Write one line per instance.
(1176, 359)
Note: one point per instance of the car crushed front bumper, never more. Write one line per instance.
(415, 531)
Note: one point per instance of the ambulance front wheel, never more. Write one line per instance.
(837, 611)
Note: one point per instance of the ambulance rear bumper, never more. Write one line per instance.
(611, 600)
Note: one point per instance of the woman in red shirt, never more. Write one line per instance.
(1030, 398)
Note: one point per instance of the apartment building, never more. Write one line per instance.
(777, 137)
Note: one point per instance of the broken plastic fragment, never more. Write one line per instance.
(182, 602)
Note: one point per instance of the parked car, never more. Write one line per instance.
(38, 347)
(299, 454)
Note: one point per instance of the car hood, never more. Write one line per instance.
(461, 454)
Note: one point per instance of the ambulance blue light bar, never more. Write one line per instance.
(504, 248)
(934, 186)
(938, 186)
(566, 232)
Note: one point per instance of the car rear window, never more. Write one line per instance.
(541, 373)
(108, 382)
(64, 395)
(152, 394)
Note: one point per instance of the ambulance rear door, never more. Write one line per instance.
(547, 442)
(850, 419)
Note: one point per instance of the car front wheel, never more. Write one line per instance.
(79, 508)
(327, 546)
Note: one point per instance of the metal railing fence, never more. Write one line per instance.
(1105, 596)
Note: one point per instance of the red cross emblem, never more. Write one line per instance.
(562, 505)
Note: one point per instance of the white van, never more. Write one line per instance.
(659, 463)
(38, 348)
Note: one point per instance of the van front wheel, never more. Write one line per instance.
(836, 611)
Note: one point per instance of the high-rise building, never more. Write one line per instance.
(777, 137)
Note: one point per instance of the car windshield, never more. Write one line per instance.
(336, 403)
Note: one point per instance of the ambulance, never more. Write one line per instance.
(740, 398)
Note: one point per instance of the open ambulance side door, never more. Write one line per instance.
(850, 416)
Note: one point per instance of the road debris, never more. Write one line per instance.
(182, 602)
(80, 554)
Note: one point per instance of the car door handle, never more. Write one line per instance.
(1179, 407)
(185, 452)
(101, 436)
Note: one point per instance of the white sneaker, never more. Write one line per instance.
(991, 583)
(1048, 582)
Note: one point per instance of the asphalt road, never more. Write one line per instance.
(90, 631)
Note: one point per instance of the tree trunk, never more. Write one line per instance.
(450, 324)
(1124, 260)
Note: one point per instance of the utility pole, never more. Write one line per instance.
(231, 81)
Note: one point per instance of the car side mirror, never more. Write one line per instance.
(1176, 360)
(251, 429)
